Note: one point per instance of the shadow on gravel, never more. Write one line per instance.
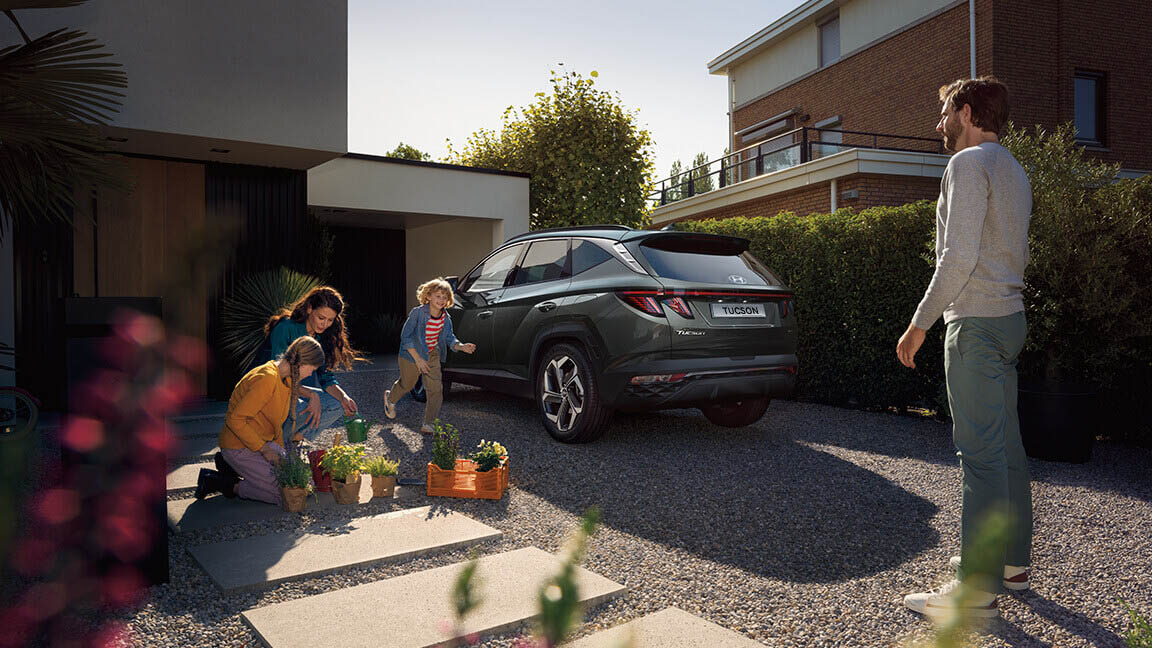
(752, 497)
(1073, 622)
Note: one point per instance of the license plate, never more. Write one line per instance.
(738, 310)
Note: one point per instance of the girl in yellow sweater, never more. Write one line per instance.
(250, 441)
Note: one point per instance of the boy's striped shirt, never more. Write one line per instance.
(432, 330)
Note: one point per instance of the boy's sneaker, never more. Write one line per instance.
(389, 408)
(942, 601)
(1015, 578)
(427, 429)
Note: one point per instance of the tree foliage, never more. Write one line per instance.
(406, 152)
(589, 160)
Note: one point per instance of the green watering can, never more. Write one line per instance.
(357, 428)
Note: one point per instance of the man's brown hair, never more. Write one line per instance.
(987, 96)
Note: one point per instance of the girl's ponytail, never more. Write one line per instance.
(304, 350)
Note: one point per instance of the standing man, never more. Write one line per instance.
(981, 252)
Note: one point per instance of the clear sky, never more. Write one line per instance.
(425, 71)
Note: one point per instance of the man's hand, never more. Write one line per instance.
(909, 344)
(312, 413)
(422, 365)
(466, 347)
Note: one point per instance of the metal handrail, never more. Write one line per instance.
(766, 157)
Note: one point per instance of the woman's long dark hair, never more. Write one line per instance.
(334, 340)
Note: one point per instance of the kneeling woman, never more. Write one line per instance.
(250, 441)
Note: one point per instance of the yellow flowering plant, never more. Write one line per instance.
(488, 455)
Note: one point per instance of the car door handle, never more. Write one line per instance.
(483, 314)
(546, 306)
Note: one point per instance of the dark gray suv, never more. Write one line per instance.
(588, 320)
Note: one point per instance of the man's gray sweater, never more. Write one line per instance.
(981, 237)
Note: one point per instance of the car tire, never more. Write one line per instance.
(567, 393)
(737, 413)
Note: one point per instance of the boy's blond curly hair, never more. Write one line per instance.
(424, 291)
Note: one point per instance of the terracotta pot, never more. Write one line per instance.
(383, 486)
(293, 500)
(347, 492)
(319, 476)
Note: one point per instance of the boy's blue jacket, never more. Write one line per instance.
(412, 335)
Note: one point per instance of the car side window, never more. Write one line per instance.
(545, 260)
(491, 274)
(587, 255)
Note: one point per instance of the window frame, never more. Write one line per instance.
(1100, 98)
(565, 271)
(468, 280)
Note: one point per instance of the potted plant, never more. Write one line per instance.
(383, 471)
(295, 479)
(343, 464)
(484, 475)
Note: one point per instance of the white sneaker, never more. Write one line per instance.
(945, 600)
(1015, 578)
(389, 408)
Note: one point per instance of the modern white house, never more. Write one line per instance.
(235, 120)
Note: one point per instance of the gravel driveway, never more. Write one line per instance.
(802, 530)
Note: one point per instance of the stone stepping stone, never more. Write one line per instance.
(409, 611)
(219, 511)
(668, 628)
(202, 427)
(274, 558)
(195, 447)
(180, 477)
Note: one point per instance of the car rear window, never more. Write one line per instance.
(700, 261)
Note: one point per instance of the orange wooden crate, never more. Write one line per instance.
(466, 482)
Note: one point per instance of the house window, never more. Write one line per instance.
(830, 41)
(1088, 91)
(828, 142)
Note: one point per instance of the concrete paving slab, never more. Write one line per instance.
(195, 447)
(668, 628)
(268, 559)
(201, 427)
(185, 476)
(408, 611)
(219, 511)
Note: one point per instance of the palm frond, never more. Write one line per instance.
(256, 298)
(61, 73)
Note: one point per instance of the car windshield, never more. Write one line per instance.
(698, 262)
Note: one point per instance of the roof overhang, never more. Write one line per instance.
(832, 167)
(791, 21)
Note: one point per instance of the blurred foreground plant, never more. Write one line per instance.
(1141, 634)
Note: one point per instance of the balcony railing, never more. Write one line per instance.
(781, 152)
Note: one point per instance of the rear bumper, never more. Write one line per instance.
(706, 381)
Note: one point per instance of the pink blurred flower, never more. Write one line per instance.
(83, 434)
(31, 556)
(58, 505)
(123, 586)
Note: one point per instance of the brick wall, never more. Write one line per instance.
(874, 190)
(1039, 45)
(890, 87)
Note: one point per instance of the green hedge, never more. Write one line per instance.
(858, 278)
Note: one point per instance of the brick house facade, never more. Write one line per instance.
(889, 85)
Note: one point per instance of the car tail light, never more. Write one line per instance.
(680, 306)
(658, 378)
(643, 301)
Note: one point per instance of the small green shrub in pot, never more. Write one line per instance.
(445, 445)
(344, 461)
(488, 455)
(294, 472)
(381, 467)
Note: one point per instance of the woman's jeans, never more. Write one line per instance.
(980, 369)
(331, 411)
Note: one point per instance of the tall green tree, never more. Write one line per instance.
(54, 89)
(407, 152)
(589, 160)
(701, 181)
(673, 190)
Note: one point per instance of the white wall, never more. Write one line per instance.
(863, 21)
(790, 57)
(444, 249)
(375, 185)
(264, 71)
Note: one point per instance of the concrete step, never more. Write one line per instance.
(198, 428)
(409, 611)
(197, 447)
(180, 477)
(265, 560)
(219, 511)
(668, 628)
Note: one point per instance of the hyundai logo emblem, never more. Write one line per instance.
(737, 279)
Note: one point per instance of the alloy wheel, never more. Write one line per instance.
(563, 392)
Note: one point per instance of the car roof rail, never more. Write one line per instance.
(573, 228)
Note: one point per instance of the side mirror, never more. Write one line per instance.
(454, 281)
